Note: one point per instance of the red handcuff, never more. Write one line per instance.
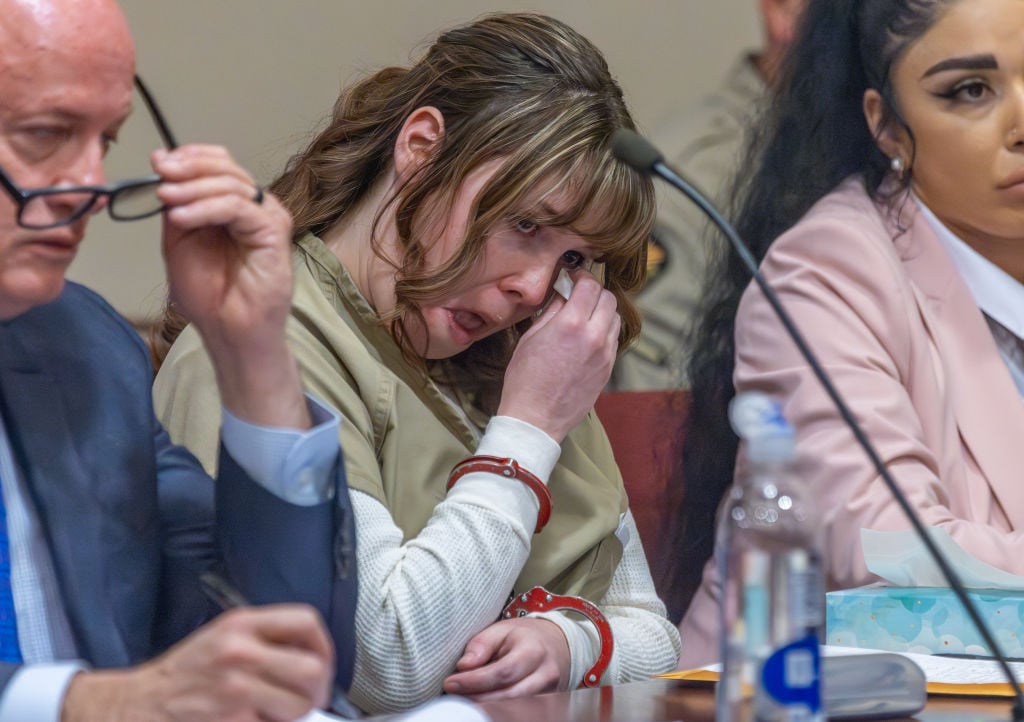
(510, 469)
(540, 599)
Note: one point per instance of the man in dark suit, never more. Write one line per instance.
(105, 525)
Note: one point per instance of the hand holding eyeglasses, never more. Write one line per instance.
(228, 252)
(227, 247)
(229, 272)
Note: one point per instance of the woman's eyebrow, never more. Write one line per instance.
(967, 62)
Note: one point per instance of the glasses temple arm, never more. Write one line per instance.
(158, 117)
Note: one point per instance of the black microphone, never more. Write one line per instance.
(636, 152)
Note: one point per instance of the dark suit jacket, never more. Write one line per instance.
(130, 518)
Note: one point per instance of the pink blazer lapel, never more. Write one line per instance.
(985, 402)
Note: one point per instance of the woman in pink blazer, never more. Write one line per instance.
(887, 204)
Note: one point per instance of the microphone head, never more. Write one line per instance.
(634, 150)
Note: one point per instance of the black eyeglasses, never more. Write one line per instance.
(128, 200)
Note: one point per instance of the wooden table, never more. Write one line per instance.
(669, 700)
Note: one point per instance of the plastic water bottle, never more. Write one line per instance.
(769, 562)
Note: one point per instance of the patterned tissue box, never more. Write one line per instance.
(927, 620)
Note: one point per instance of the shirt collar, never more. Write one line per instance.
(997, 293)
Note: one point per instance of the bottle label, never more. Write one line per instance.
(791, 675)
(806, 592)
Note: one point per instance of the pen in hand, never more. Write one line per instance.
(224, 594)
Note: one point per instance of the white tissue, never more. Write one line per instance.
(563, 284)
(901, 558)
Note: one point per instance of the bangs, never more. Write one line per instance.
(614, 208)
(588, 192)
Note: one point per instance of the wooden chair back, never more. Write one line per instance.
(646, 430)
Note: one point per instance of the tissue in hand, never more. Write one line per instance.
(563, 284)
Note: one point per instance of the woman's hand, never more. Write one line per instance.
(512, 658)
(564, 360)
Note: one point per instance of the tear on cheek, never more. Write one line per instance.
(563, 284)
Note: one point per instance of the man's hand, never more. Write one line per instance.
(512, 658)
(257, 663)
(229, 271)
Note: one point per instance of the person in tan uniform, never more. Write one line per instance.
(704, 144)
(433, 217)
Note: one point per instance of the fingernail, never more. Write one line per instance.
(454, 687)
(179, 214)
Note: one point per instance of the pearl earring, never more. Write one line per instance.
(897, 165)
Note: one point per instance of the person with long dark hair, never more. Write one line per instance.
(886, 204)
(433, 216)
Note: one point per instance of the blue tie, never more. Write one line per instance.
(10, 650)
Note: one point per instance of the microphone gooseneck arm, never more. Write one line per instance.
(638, 153)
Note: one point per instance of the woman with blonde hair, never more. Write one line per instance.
(433, 216)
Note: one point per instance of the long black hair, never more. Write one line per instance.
(812, 136)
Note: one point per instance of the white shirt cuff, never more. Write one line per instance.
(36, 692)
(583, 639)
(532, 448)
(295, 465)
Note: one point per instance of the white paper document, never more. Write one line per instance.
(445, 709)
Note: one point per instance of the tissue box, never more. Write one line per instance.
(926, 620)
